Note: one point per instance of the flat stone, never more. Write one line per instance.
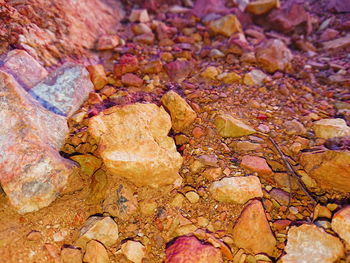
(32, 171)
(133, 143)
(65, 90)
(102, 229)
(253, 223)
(190, 249)
(71, 255)
(182, 115)
(329, 128)
(228, 126)
(96, 253)
(226, 25)
(336, 44)
(236, 189)
(341, 223)
(261, 7)
(256, 164)
(133, 251)
(26, 70)
(294, 127)
(308, 243)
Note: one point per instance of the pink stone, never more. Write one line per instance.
(256, 164)
(178, 70)
(107, 42)
(130, 79)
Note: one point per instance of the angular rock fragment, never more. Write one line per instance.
(133, 251)
(96, 253)
(341, 223)
(308, 243)
(236, 189)
(254, 77)
(65, 90)
(181, 113)
(130, 79)
(337, 44)
(190, 249)
(98, 76)
(252, 231)
(133, 143)
(256, 164)
(178, 70)
(226, 25)
(274, 55)
(228, 126)
(88, 163)
(329, 128)
(26, 70)
(139, 15)
(107, 42)
(261, 7)
(32, 171)
(71, 255)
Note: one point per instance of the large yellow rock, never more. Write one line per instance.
(329, 128)
(227, 126)
(261, 7)
(133, 143)
(181, 113)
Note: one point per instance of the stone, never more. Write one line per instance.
(88, 163)
(294, 127)
(97, 76)
(226, 25)
(139, 15)
(192, 197)
(190, 249)
(130, 79)
(337, 44)
(254, 77)
(178, 70)
(330, 169)
(341, 223)
(236, 189)
(98, 187)
(71, 255)
(282, 197)
(329, 128)
(65, 90)
(245, 146)
(146, 38)
(133, 143)
(102, 229)
(212, 173)
(229, 77)
(261, 7)
(32, 171)
(133, 251)
(274, 55)
(339, 6)
(228, 126)
(153, 67)
(107, 42)
(127, 64)
(96, 253)
(120, 202)
(182, 115)
(253, 223)
(26, 70)
(141, 28)
(210, 73)
(317, 245)
(203, 7)
(256, 164)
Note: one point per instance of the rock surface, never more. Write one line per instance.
(256, 164)
(236, 189)
(71, 255)
(329, 128)
(144, 154)
(133, 251)
(253, 223)
(318, 246)
(32, 171)
(181, 113)
(228, 126)
(341, 223)
(190, 249)
(65, 90)
(95, 253)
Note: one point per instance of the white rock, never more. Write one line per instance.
(134, 251)
(329, 128)
(341, 223)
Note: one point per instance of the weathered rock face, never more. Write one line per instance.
(65, 90)
(32, 171)
(317, 245)
(330, 169)
(35, 26)
(341, 223)
(133, 143)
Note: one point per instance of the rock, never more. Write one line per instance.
(294, 127)
(210, 73)
(98, 187)
(71, 255)
(26, 70)
(95, 253)
(254, 77)
(192, 197)
(88, 164)
(229, 77)
(144, 154)
(141, 28)
(282, 197)
(120, 202)
(236, 189)
(133, 251)
(139, 15)
(181, 113)
(318, 246)
(341, 223)
(226, 25)
(127, 64)
(98, 76)
(261, 7)
(178, 70)
(228, 126)
(107, 42)
(190, 249)
(204, 7)
(256, 164)
(147, 39)
(153, 67)
(212, 174)
(32, 171)
(245, 146)
(130, 79)
(253, 223)
(329, 128)
(102, 229)
(65, 90)
(274, 55)
(339, 6)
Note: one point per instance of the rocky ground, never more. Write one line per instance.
(197, 132)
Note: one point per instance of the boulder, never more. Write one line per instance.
(133, 143)
(252, 231)
(236, 189)
(228, 126)
(341, 223)
(181, 113)
(329, 128)
(65, 90)
(308, 243)
(274, 55)
(32, 171)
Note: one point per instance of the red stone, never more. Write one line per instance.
(178, 70)
(127, 64)
(204, 7)
(130, 79)
(256, 164)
